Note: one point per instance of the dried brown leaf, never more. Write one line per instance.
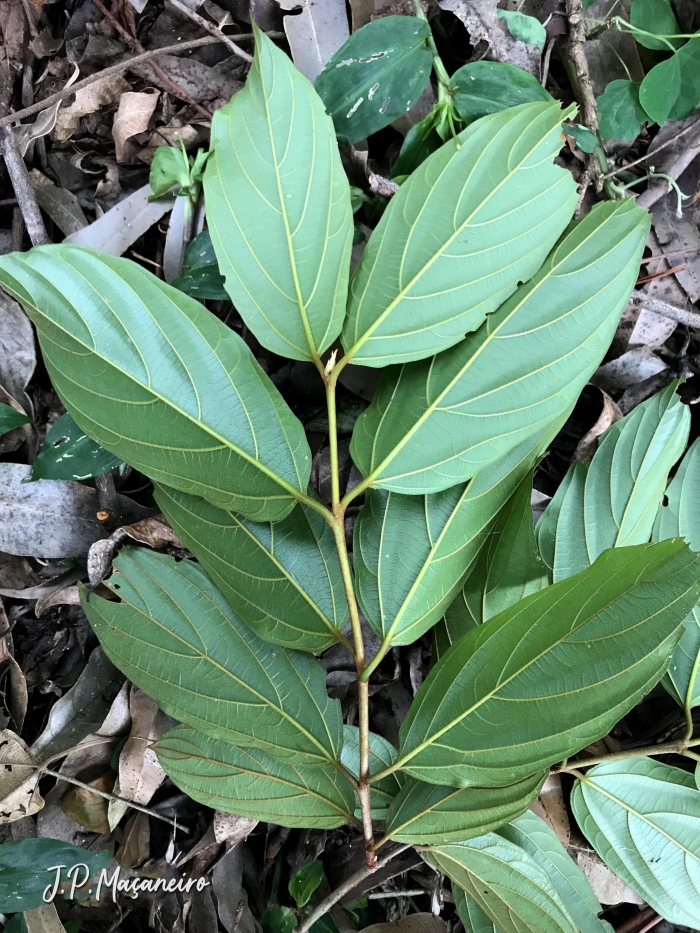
(588, 444)
(133, 116)
(19, 796)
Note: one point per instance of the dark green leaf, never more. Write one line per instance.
(661, 89)
(376, 76)
(174, 636)
(689, 95)
(282, 578)
(437, 422)
(304, 882)
(480, 88)
(657, 17)
(582, 136)
(412, 553)
(24, 870)
(536, 838)
(525, 28)
(422, 140)
(10, 418)
(509, 567)
(278, 920)
(622, 487)
(68, 453)
(458, 236)
(643, 819)
(251, 783)
(619, 111)
(382, 754)
(170, 167)
(428, 814)
(578, 654)
(278, 208)
(162, 383)
(505, 883)
(202, 277)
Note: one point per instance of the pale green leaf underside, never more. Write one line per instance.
(553, 673)
(540, 842)
(643, 819)
(437, 422)
(429, 814)
(382, 754)
(411, 553)
(475, 219)
(175, 636)
(278, 208)
(282, 578)
(681, 516)
(505, 883)
(250, 783)
(472, 916)
(158, 380)
(613, 501)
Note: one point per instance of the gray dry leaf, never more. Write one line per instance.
(607, 887)
(50, 518)
(15, 691)
(103, 93)
(232, 829)
(123, 224)
(43, 920)
(19, 777)
(82, 710)
(550, 807)
(227, 885)
(634, 366)
(17, 351)
(153, 531)
(133, 116)
(140, 773)
(483, 25)
(675, 234)
(200, 81)
(66, 596)
(62, 206)
(315, 33)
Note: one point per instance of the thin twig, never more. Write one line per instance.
(656, 191)
(108, 796)
(689, 318)
(135, 44)
(346, 886)
(670, 748)
(650, 155)
(22, 186)
(211, 29)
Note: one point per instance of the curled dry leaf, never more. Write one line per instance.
(15, 692)
(66, 596)
(19, 796)
(154, 531)
(588, 444)
(103, 93)
(232, 829)
(134, 114)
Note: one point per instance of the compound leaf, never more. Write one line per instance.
(505, 883)
(437, 422)
(429, 814)
(484, 87)
(159, 381)
(282, 578)
(411, 553)
(643, 819)
(174, 635)
(578, 654)
(536, 838)
(472, 221)
(613, 501)
(250, 783)
(376, 76)
(278, 208)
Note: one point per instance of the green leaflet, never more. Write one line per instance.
(411, 553)
(474, 220)
(681, 517)
(159, 381)
(176, 638)
(655, 16)
(283, 579)
(509, 567)
(10, 418)
(201, 277)
(536, 838)
(578, 655)
(613, 501)
(525, 28)
(472, 916)
(376, 76)
(248, 782)
(382, 754)
(621, 114)
(643, 819)
(505, 883)
(436, 423)
(428, 814)
(487, 87)
(278, 208)
(68, 453)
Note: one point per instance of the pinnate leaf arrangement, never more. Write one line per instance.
(487, 309)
